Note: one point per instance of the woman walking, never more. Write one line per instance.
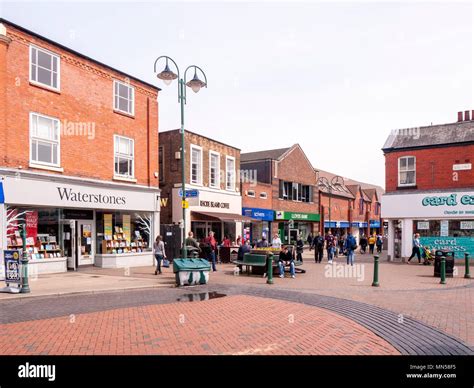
(159, 251)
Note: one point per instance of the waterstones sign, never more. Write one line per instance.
(35, 192)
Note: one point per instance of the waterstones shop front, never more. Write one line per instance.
(444, 220)
(292, 224)
(73, 223)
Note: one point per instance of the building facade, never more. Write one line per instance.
(349, 205)
(78, 160)
(212, 185)
(430, 187)
(287, 176)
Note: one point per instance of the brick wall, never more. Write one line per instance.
(257, 202)
(339, 208)
(170, 142)
(86, 98)
(434, 168)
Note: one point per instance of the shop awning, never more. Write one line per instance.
(224, 217)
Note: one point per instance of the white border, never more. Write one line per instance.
(37, 83)
(218, 177)
(227, 157)
(398, 172)
(191, 147)
(125, 178)
(33, 163)
(116, 109)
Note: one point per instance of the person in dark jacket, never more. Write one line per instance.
(350, 246)
(318, 245)
(363, 243)
(299, 248)
(285, 258)
(243, 249)
(309, 240)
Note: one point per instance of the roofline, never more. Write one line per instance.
(198, 134)
(23, 29)
(421, 147)
(259, 159)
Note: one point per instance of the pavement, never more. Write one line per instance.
(330, 309)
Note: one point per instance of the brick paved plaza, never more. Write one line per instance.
(323, 311)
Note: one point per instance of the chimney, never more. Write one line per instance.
(459, 116)
(466, 116)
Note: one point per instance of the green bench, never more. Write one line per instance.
(251, 260)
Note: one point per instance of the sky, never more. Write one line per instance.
(335, 77)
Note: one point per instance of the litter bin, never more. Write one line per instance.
(449, 262)
(190, 272)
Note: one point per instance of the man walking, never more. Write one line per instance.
(299, 248)
(318, 245)
(350, 247)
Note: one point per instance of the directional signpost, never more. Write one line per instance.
(189, 193)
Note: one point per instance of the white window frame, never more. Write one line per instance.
(414, 170)
(218, 174)
(50, 87)
(58, 142)
(226, 174)
(251, 193)
(263, 195)
(198, 148)
(119, 176)
(116, 108)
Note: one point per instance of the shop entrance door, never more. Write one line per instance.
(85, 243)
(69, 244)
(293, 236)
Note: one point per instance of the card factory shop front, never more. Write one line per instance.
(72, 222)
(443, 219)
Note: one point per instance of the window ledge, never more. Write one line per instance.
(46, 87)
(406, 187)
(123, 179)
(44, 167)
(124, 113)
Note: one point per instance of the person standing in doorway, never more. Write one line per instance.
(299, 248)
(211, 241)
(350, 246)
(309, 240)
(159, 251)
(372, 240)
(318, 245)
(416, 249)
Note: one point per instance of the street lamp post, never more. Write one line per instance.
(336, 182)
(168, 76)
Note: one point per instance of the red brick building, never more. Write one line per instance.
(78, 155)
(349, 205)
(430, 187)
(211, 171)
(288, 178)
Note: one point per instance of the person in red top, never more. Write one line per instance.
(212, 243)
(226, 242)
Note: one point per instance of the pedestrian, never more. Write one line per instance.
(350, 245)
(379, 243)
(416, 248)
(299, 249)
(243, 249)
(263, 243)
(191, 242)
(318, 245)
(309, 240)
(226, 242)
(276, 242)
(160, 254)
(330, 246)
(212, 243)
(341, 242)
(363, 243)
(239, 241)
(372, 240)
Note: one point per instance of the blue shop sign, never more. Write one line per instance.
(359, 224)
(374, 224)
(2, 196)
(258, 214)
(459, 245)
(189, 193)
(337, 224)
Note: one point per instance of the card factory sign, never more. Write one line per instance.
(435, 205)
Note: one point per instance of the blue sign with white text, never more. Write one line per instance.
(2, 195)
(189, 193)
(258, 214)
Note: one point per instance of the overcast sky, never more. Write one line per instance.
(333, 77)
